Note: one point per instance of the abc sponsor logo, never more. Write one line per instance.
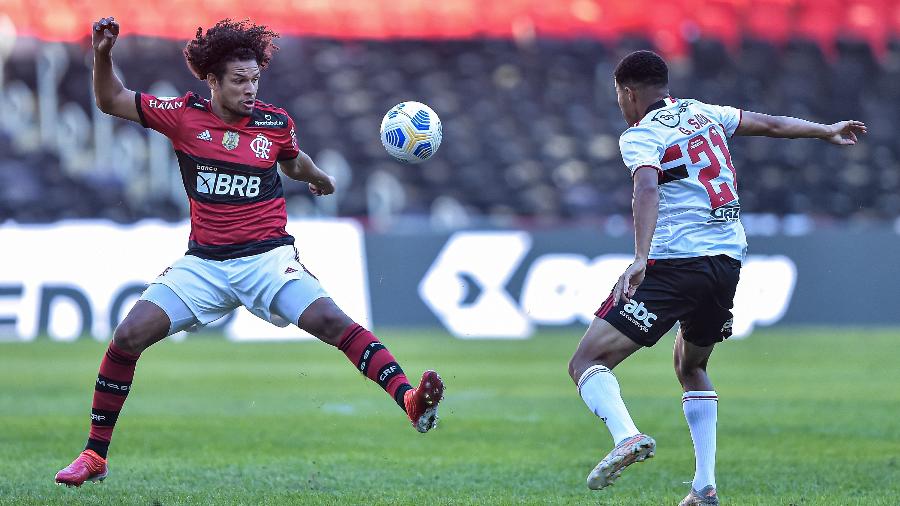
(636, 313)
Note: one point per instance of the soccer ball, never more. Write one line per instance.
(411, 132)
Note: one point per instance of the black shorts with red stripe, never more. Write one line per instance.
(697, 292)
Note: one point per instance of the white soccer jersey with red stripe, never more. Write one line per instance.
(686, 141)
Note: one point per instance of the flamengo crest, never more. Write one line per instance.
(261, 145)
(230, 140)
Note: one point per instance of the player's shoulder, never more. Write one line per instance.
(642, 131)
(269, 116)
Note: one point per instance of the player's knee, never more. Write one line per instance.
(686, 370)
(328, 326)
(129, 338)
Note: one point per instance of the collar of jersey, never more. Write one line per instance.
(241, 123)
(659, 104)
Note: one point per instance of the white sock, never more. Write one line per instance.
(700, 411)
(600, 391)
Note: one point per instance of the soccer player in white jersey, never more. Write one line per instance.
(689, 246)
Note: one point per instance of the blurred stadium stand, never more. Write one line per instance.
(530, 121)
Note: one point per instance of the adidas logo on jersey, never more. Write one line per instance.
(212, 183)
(636, 313)
(204, 136)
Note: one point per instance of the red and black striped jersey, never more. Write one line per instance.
(229, 172)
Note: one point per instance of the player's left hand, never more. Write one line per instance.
(324, 187)
(845, 132)
(629, 281)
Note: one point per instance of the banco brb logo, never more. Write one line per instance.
(212, 183)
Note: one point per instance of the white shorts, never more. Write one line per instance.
(212, 289)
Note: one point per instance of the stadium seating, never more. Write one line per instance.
(530, 129)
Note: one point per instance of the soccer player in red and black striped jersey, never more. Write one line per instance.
(239, 253)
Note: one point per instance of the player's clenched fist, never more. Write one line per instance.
(104, 34)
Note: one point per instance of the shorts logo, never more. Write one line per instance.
(212, 183)
(230, 140)
(636, 313)
(290, 270)
(726, 328)
(260, 145)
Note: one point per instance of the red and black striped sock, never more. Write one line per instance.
(113, 385)
(374, 361)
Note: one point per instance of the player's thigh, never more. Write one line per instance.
(296, 296)
(179, 314)
(602, 343)
(202, 285)
(710, 320)
(654, 308)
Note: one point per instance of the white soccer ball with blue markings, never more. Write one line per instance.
(411, 132)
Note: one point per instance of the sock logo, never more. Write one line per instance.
(105, 384)
(387, 372)
(367, 354)
(97, 418)
(639, 315)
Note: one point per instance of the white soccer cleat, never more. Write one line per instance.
(634, 449)
(706, 496)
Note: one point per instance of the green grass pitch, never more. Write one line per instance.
(806, 417)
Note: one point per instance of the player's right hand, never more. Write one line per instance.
(323, 187)
(104, 34)
(845, 132)
(629, 281)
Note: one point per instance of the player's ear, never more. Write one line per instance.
(630, 94)
(212, 81)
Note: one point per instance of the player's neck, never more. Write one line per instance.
(644, 106)
(224, 114)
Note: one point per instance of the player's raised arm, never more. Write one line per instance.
(111, 95)
(302, 168)
(841, 133)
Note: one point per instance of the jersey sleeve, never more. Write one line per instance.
(289, 149)
(729, 117)
(640, 148)
(163, 114)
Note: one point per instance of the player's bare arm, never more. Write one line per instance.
(645, 204)
(840, 133)
(111, 95)
(304, 169)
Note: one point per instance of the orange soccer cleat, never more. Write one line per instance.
(421, 403)
(86, 467)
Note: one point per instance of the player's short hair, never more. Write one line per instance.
(229, 41)
(642, 68)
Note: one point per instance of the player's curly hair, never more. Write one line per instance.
(227, 41)
(642, 68)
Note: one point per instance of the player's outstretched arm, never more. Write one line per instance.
(841, 133)
(304, 169)
(111, 95)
